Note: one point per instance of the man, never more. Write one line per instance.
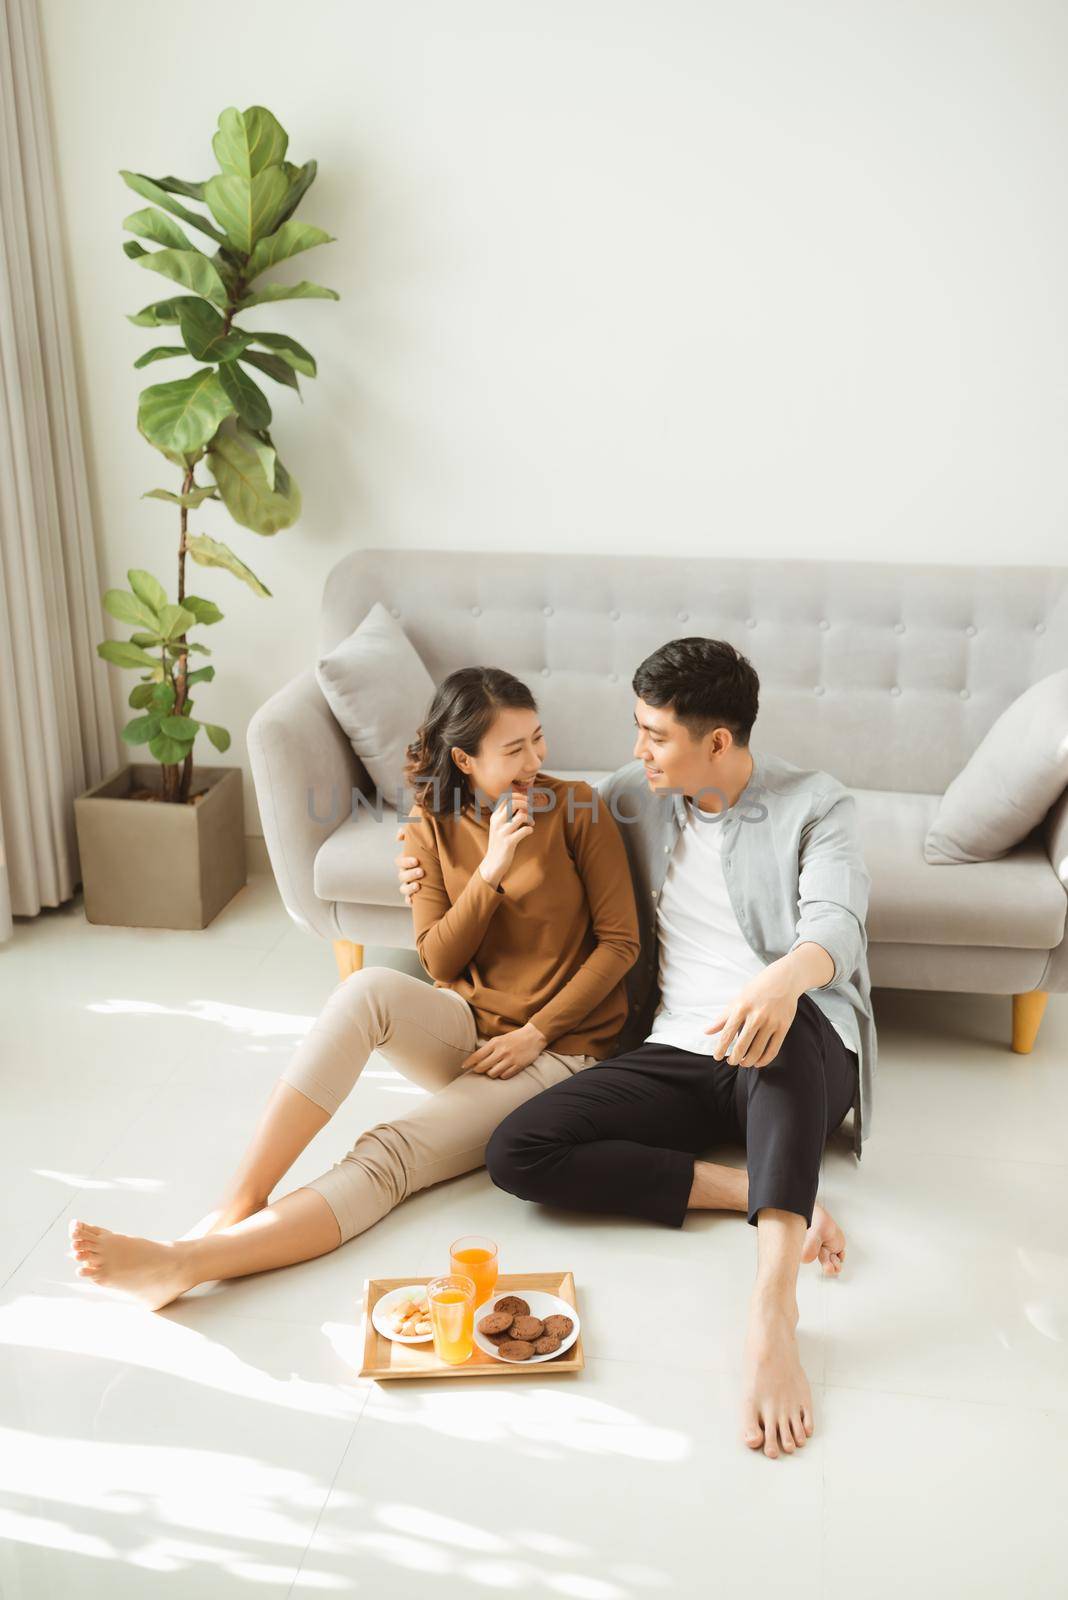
(750, 1014)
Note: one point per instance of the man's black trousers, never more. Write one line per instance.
(622, 1136)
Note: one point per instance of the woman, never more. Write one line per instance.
(527, 924)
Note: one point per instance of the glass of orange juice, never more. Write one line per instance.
(476, 1258)
(452, 1316)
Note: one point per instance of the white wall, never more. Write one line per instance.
(788, 277)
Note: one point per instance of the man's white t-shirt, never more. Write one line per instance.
(705, 958)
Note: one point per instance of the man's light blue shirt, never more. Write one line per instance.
(794, 873)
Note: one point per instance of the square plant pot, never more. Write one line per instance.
(149, 864)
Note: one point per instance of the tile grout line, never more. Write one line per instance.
(326, 1498)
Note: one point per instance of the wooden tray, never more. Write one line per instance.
(383, 1358)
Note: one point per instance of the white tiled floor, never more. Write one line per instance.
(225, 1446)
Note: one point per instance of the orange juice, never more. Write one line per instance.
(452, 1313)
(477, 1262)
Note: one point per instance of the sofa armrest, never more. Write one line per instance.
(304, 770)
(1055, 835)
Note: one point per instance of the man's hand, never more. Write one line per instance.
(758, 1019)
(508, 1054)
(408, 871)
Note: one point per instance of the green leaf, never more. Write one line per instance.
(169, 751)
(181, 458)
(180, 727)
(141, 729)
(147, 641)
(247, 207)
(248, 141)
(183, 415)
(174, 621)
(218, 736)
(163, 696)
(285, 242)
(300, 359)
(238, 470)
(148, 589)
(300, 180)
(210, 553)
(190, 268)
(130, 608)
(260, 441)
(250, 402)
(122, 654)
(141, 695)
(149, 189)
(194, 498)
(287, 291)
(201, 675)
(156, 315)
(201, 649)
(275, 368)
(206, 335)
(134, 250)
(205, 611)
(160, 352)
(195, 191)
(151, 223)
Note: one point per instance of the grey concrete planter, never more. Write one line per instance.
(146, 864)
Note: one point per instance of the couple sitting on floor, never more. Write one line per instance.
(621, 979)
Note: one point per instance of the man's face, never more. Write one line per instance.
(672, 758)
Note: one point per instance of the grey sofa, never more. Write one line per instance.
(886, 676)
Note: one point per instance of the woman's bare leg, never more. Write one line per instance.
(153, 1272)
(287, 1125)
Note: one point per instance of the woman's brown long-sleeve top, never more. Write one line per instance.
(553, 944)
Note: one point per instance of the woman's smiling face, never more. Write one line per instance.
(511, 754)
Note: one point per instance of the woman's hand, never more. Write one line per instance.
(508, 1054)
(505, 833)
(408, 871)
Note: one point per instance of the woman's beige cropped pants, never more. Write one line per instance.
(425, 1033)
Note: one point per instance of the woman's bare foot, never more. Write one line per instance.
(776, 1398)
(228, 1213)
(148, 1270)
(826, 1240)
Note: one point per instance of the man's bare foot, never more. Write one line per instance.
(225, 1217)
(148, 1270)
(776, 1398)
(826, 1240)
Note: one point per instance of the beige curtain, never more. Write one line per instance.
(57, 727)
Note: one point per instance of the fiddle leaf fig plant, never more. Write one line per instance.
(218, 416)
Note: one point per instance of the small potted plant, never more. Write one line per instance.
(158, 848)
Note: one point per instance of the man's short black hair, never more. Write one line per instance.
(706, 683)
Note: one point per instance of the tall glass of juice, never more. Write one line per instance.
(452, 1317)
(476, 1258)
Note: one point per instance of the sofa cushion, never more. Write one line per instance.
(1017, 901)
(1013, 777)
(356, 863)
(379, 691)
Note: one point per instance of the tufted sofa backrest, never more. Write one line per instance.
(887, 676)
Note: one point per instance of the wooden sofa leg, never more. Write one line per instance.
(350, 959)
(1027, 1012)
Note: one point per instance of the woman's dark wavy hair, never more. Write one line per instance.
(461, 714)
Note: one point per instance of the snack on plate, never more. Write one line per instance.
(411, 1319)
(528, 1328)
(518, 1335)
(496, 1322)
(512, 1303)
(516, 1349)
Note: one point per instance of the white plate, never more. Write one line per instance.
(542, 1304)
(382, 1308)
